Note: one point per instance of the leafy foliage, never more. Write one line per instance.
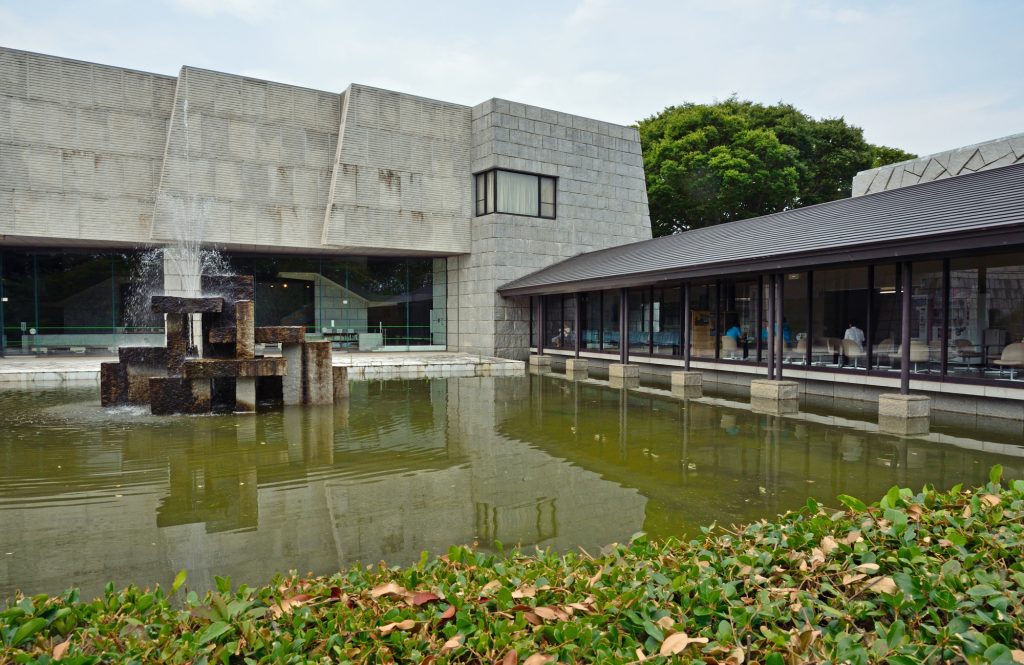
(921, 577)
(713, 163)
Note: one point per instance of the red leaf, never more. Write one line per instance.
(511, 658)
(424, 597)
(448, 614)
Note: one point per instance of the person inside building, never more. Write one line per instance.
(855, 334)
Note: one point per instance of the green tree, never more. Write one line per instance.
(713, 163)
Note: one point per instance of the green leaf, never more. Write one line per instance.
(981, 591)
(995, 474)
(27, 630)
(853, 503)
(179, 579)
(901, 660)
(774, 659)
(213, 631)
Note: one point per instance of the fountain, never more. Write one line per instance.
(228, 376)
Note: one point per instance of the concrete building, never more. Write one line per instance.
(374, 218)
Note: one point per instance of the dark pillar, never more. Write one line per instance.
(779, 339)
(687, 328)
(540, 325)
(624, 326)
(907, 286)
(576, 323)
(770, 326)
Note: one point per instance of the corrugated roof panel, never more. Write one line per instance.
(985, 200)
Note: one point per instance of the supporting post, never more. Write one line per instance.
(624, 326)
(540, 325)
(758, 319)
(770, 326)
(687, 328)
(779, 337)
(907, 286)
(576, 323)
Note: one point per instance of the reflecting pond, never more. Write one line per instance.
(89, 495)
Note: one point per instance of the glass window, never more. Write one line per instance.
(703, 326)
(926, 317)
(839, 303)
(547, 197)
(554, 329)
(515, 193)
(667, 326)
(884, 335)
(739, 320)
(590, 321)
(481, 194)
(794, 317)
(640, 320)
(569, 321)
(986, 317)
(610, 319)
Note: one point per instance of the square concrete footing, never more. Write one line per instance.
(775, 407)
(688, 384)
(776, 390)
(540, 364)
(577, 368)
(623, 376)
(904, 415)
(775, 397)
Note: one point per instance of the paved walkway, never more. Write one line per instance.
(31, 370)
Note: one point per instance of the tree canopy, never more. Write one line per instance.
(713, 163)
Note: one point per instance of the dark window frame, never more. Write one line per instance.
(488, 201)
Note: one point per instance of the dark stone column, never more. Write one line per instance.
(245, 331)
(318, 377)
(177, 326)
(113, 384)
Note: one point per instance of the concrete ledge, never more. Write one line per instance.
(769, 389)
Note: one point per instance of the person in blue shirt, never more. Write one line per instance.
(787, 334)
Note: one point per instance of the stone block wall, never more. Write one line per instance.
(400, 176)
(601, 202)
(257, 158)
(969, 159)
(80, 147)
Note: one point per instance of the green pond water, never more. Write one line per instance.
(90, 495)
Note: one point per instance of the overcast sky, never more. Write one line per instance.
(920, 75)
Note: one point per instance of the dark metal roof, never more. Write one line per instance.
(984, 209)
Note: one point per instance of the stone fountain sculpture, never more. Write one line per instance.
(229, 376)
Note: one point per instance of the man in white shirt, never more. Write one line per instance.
(855, 334)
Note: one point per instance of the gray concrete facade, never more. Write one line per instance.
(99, 156)
(959, 161)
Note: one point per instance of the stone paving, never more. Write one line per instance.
(32, 370)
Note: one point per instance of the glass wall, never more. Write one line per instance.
(886, 316)
(703, 319)
(795, 324)
(738, 340)
(667, 311)
(926, 318)
(610, 318)
(590, 321)
(356, 302)
(76, 302)
(839, 310)
(986, 317)
(65, 301)
(639, 319)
